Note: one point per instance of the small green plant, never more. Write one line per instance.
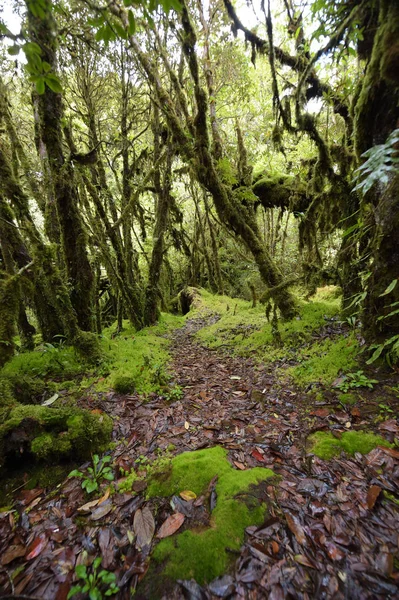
(389, 349)
(356, 380)
(95, 584)
(96, 473)
(174, 393)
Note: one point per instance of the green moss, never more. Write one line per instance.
(201, 553)
(127, 484)
(348, 398)
(246, 331)
(51, 433)
(323, 362)
(138, 357)
(325, 445)
(123, 384)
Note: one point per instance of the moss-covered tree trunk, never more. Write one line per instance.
(376, 116)
(162, 185)
(50, 117)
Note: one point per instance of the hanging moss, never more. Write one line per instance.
(9, 306)
(281, 190)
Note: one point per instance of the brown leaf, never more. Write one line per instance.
(303, 560)
(101, 511)
(88, 506)
(256, 454)
(36, 547)
(391, 451)
(171, 525)
(239, 465)
(296, 528)
(13, 552)
(333, 552)
(143, 527)
(372, 495)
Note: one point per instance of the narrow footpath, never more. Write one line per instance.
(332, 529)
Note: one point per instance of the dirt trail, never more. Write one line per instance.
(330, 531)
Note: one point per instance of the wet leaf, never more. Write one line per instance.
(296, 528)
(171, 525)
(102, 511)
(222, 587)
(143, 527)
(36, 547)
(88, 506)
(256, 454)
(372, 495)
(12, 552)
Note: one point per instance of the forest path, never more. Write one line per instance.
(330, 533)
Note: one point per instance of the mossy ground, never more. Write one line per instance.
(202, 553)
(246, 332)
(326, 446)
(322, 362)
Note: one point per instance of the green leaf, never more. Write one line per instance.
(90, 485)
(76, 589)
(97, 562)
(132, 23)
(81, 571)
(390, 288)
(53, 83)
(40, 86)
(75, 473)
(120, 31)
(95, 594)
(14, 50)
(108, 476)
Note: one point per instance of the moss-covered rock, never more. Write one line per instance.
(202, 553)
(326, 446)
(50, 433)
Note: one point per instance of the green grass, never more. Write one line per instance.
(202, 553)
(326, 446)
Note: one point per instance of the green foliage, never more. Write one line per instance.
(389, 348)
(95, 474)
(326, 446)
(356, 380)
(203, 554)
(95, 583)
(124, 384)
(382, 161)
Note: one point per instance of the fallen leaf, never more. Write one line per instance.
(296, 528)
(235, 377)
(36, 547)
(105, 497)
(143, 527)
(171, 525)
(51, 400)
(13, 552)
(188, 495)
(88, 506)
(101, 511)
(303, 560)
(372, 495)
(186, 425)
(256, 454)
(239, 465)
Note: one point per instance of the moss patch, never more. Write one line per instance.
(326, 446)
(50, 433)
(322, 362)
(246, 331)
(201, 554)
(137, 360)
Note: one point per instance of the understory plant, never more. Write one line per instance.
(95, 474)
(356, 380)
(95, 584)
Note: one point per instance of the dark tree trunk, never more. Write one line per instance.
(50, 116)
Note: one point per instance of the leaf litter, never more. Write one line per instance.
(332, 527)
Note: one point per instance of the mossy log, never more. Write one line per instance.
(46, 433)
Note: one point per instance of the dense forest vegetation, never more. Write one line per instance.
(159, 158)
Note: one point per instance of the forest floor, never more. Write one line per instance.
(330, 530)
